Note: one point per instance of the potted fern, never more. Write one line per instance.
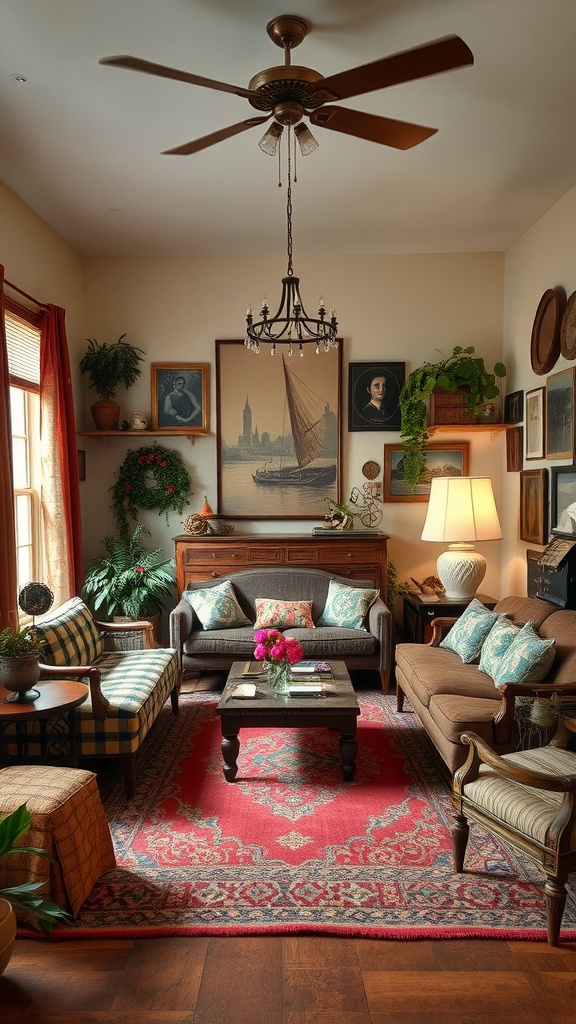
(108, 366)
(129, 579)
(22, 900)
(460, 371)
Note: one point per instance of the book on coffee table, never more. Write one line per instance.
(305, 668)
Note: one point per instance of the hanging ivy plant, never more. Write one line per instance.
(149, 478)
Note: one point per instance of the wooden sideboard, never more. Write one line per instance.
(207, 557)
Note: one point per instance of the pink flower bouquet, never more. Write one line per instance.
(274, 647)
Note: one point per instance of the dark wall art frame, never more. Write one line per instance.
(180, 408)
(560, 415)
(514, 407)
(534, 506)
(441, 460)
(514, 449)
(535, 423)
(363, 414)
(563, 501)
(257, 465)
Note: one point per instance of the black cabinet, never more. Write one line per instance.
(552, 573)
(418, 614)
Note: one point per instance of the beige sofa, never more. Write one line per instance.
(451, 697)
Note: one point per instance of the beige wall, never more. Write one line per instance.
(389, 307)
(543, 258)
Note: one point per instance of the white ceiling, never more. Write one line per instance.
(81, 143)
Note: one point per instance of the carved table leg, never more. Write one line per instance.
(230, 747)
(555, 893)
(348, 750)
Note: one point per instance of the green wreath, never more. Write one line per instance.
(133, 490)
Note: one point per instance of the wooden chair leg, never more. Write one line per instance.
(399, 697)
(128, 763)
(555, 893)
(174, 696)
(460, 831)
(385, 681)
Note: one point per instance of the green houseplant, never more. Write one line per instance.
(22, 899)
(107, 367)
(460, 370)
(129, 579)
(19, 663)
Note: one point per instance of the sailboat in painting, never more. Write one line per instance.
(307, 414)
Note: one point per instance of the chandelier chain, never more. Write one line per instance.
(289, 213)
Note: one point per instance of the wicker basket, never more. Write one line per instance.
(450, 407)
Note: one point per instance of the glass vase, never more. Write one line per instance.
(278, 673)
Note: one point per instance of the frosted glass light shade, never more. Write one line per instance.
(461, 510)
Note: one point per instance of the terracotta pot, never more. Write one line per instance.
(106, 415)
(7, 933)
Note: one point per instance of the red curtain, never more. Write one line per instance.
(8, 575)
(60, 487)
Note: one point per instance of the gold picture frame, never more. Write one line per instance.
(181, 408)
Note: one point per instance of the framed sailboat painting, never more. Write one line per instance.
(278, 432)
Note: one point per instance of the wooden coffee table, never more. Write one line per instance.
(336, 709)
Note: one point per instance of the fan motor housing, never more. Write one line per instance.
(286, 84)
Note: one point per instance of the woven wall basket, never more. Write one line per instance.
(450, 407)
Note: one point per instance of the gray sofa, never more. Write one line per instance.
(216, 649)
(451, 697)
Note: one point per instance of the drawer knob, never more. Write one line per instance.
(233, 556)
(214, 575)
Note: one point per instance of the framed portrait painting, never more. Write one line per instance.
(563, 502)
(535, 424)
(373, 395)
(534, 505)
(181, 397)
(514, 407)
(441, 460)
(560, 415)
(278, 432)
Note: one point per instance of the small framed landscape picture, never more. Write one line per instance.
(441, 460)
(535, 424)
(181, 397)
(563, 502)
(560, 415)
(533, 505)
(373, 395)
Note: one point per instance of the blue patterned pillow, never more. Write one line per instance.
(527, 660)
(496, 644)
(470, 631)
(347, 606)
(217, 607)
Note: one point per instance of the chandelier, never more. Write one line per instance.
(291, 325)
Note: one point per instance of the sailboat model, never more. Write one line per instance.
(308, 436)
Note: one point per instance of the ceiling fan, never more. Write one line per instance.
(290, 92)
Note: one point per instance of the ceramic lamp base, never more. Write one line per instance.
(461, 570)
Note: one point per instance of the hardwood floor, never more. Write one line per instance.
(289, 980)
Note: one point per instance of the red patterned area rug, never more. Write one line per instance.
(290, 847)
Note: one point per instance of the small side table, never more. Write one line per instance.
(58, 700)
(418, 614)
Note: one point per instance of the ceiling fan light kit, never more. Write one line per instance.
(288, 93)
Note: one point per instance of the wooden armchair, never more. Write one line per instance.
(527, 799)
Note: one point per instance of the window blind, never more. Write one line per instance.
(23, 346)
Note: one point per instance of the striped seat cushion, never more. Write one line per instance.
(530, 811)
(70, 636)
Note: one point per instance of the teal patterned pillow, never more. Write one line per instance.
(528, 659)
(470, 631)
(496, 644)
(347, 606)
(217, 607)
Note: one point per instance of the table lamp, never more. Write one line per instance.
(461, 510)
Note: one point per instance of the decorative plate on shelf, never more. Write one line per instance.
(545, 342)
(568, 329)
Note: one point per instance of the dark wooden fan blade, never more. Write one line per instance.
(399, 134)
(430, 59)
(147, 67)
(214, 137)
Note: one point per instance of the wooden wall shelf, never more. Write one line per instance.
(460, 428)
(101, 434)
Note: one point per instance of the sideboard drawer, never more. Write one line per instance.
(341, 554)
(306, 555)
(214, 556)
(265, 555)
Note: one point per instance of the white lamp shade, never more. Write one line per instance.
(461, 509)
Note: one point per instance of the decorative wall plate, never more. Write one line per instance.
(568, 329)
(370, 470)
(545, 342)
